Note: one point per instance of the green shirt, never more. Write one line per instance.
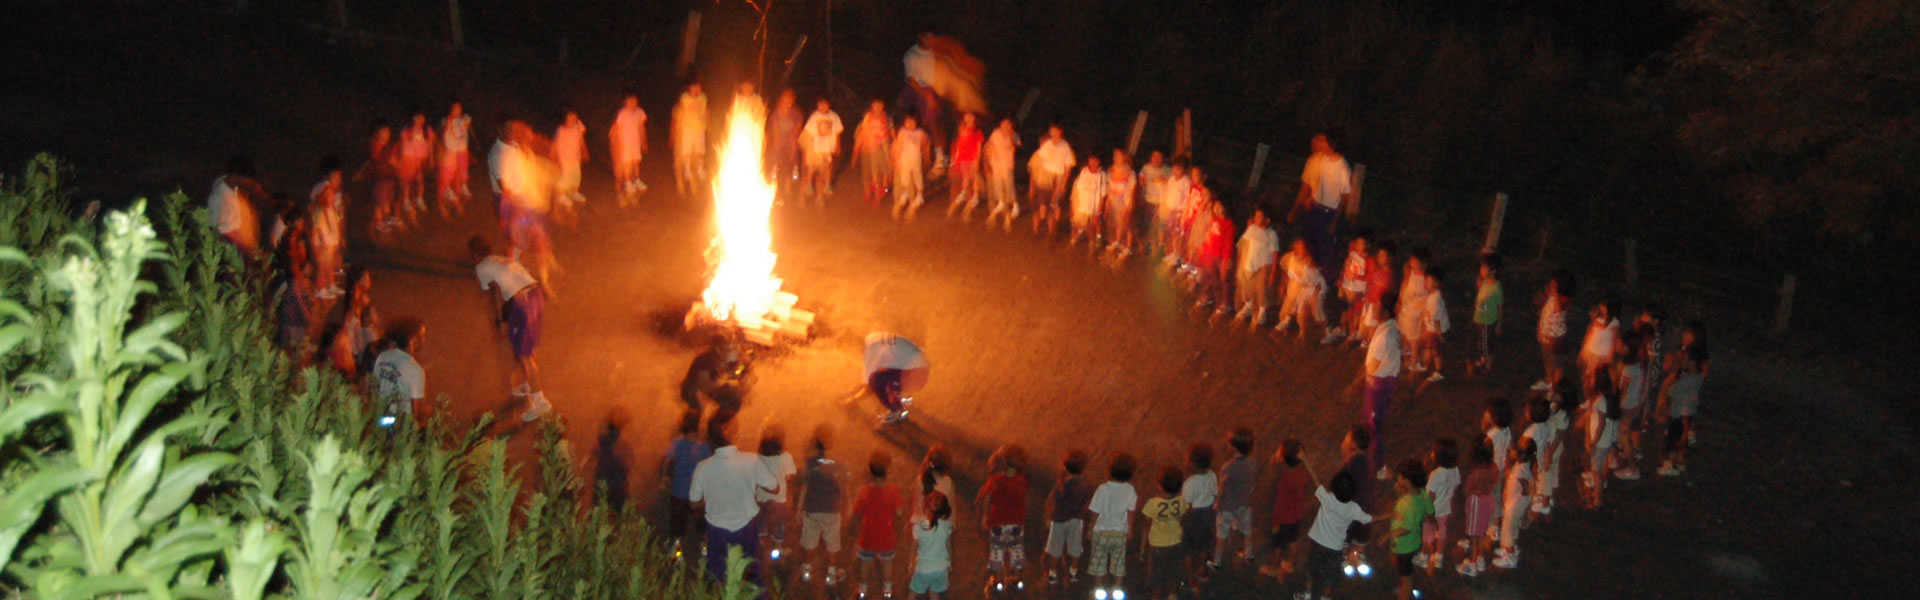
(1409, 513)
(1486, 305)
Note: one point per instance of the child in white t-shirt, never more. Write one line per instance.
(569, 150)
(1596, 352)
(1113, 505)
(1517, 494)
(909, 168)
(1089, 192)
(1442, 482)
(775, 458)
(1601, 420)
(1436, 326)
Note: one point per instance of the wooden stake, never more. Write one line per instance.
(1359, 181)
(689, 43)
(1139, 126)
(1026, 106)
(453, 25)
(1499, 220)
(1259, 163)
(1785, 312)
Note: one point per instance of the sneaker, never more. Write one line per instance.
(1333, 337)
(1466, 569)
(1667, 470)
(1436, 378)
(537, 409)
(1541, 386)
(886, 590)
(1053, 577)
(1626, 474)
(1465, 545)
(1073, 573)
(1507, 561)
(1420, 560)
(1418, 368)
(1385, 474)
(806, 573)
(833, 576)
(522, 390)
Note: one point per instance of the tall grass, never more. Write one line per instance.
(154, 444)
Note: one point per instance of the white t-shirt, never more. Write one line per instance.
(909, 149)
(1636, 376)
(1385, 347)
(1088, 188)
(1437, 321)
(1153, 182)
(999, 151)
(398, 378)
(454, 132)
(1500, 438)
(328, 222)
(1600, 341)
(1442, 483)
(931, 555)
(1201, 489)
(505, 272)
(822, 141)
(1054, 157)
(1542, 434)
(226, 207)
(782, 467)
(1112, 501)
(727, 482)
(1173, 199)
(1330, 524)
(1257, 247)
(497, 162)
(570, 142)
(1329, 178)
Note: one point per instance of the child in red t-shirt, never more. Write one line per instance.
(877, 510)
(1379, 284)
(1289, 508)
(1003, 501)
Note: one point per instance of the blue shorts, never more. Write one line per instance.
(524, 317)
(865, 554)
(928, 582)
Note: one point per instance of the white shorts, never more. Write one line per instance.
(1065, 536)
(1229, 521)
(815, 527)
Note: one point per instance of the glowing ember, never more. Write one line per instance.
(744, 289)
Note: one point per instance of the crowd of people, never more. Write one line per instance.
(1621, 382)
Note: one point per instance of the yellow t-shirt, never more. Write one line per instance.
(1164, 515)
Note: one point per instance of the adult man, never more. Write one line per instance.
(1047, 178)
(521, 311)
(724, 486)
(1381, 370)
(1326, 185)
(399, 382)
(690, 140)
(820, 141)
(783, 138)
(707, 376)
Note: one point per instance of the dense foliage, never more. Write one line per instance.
(154, 444)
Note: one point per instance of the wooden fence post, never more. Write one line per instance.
(1183, 135)
(454, 32)
(689, 43)
(1359, 182)
(1495, 223)
(1259, 163)
(1785, 312)
(1026, 106)
(1139, 127)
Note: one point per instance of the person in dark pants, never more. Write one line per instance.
(1326, 188)
(723, 486)
(707, 377)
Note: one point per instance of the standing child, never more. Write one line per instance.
(1412, 513)
(1414, 289)
(1442, 481)
(1201, 491)
(1353, 290)
(1601, 419)
(1596, 351)
(1437, 324)
(909, 167)
(1153, 190)
(1338, 515)
(382, 156)
(965, 173)
(932, 532)
(1089, 190)
(627, 140)
(822, 501)
(1633, 384)
(877, 509)
(1173, 204)
(1553, 326)
(1517, 496)
(1067, 518)
(327, 233)
(1290, 495)
(1681, 395)
(1122, 182)
(1550, 418)
(1216, 260)
(416, 150)
(1258, 251)
(1482, 489)
(820, 142)
(456, 134)
(1379, 284)
(689, 135)
(774, 509)
(1003, 506)
(569, 150)
(683, 455)
(1161, 545)
(999, 151)
(1488, 301)
(870, 149)
(1236, 498)
(1047, 183)
(936, 474)
(1112, 507)
(1305, 288)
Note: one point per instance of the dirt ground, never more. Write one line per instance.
(1031, 342)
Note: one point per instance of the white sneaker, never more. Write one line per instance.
(537, 409)
(522, 390)
(1541, 386)
(1466, 569)
(1436, 378)
(1417, 368)
(1419, 560)
(1333, 337)
(806, 573)
(833, 576)
(1464, 545)
(1507, 561)
(1626, 474)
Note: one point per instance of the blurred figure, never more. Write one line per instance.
(416, 150)
(1122, 182)
(870, 148)
(350, 349)
(380, 171)
(296, 311)
(521, 313)
(1173, 206)
(1089, 191)
(569, 149)
(820, 141)
(327, 207)
(965, 174)
(1253, 287)
(783, 141)
(1153, 187)
(909, 162)
(690, 140)
(456, 131)
(626, 142)
(231, 206)
(1326, 186)
(1047, 178)
(1000, 150)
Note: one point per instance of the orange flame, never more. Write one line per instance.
(744, 287)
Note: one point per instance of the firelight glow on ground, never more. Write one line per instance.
(743, 285)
